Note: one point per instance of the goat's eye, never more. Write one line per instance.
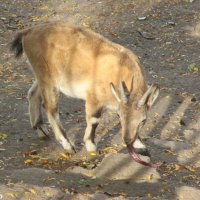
(143, 122)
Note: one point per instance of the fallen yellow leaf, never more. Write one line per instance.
(3, 136)
(66, 191)
(169, 152)
(64, 156)
(33, 144)
(108, 150)
(178, 167)
(48, 163)
(150, 177)
(190, 168)
(35, 156)
(31, 190)
(89, 174)
(28, 161)
(44, 8)
(93, 153)
(83, 158)
(181, 167)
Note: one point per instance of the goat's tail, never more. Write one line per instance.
(16, 44)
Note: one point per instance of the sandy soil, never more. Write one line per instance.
(164, 34)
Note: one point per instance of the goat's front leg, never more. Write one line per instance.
(93, 114)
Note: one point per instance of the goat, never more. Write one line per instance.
(83, 64)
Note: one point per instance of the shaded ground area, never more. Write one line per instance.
(165, 36)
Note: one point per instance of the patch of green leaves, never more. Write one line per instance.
(193, 68)
(3, 136)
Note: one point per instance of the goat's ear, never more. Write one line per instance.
(149, 96)
(112, 87)
(153, 96)
(123, 92)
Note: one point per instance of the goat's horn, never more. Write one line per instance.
(142, 101)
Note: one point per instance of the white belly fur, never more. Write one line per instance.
(75, 90)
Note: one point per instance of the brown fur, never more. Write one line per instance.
(81, 64)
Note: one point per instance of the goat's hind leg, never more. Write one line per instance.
(50, 102)
(35, 110)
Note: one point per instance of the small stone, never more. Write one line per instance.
(142, 18)
(182, 123)
(171, 23)
(193, 99)
(3, 18)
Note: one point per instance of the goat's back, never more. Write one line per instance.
(78, 61)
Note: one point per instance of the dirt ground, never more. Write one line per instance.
(164, 34)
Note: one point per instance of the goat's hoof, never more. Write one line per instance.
(143, 151)
(90, 146)
(69, 148)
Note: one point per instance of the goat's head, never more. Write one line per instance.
(133, 110)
